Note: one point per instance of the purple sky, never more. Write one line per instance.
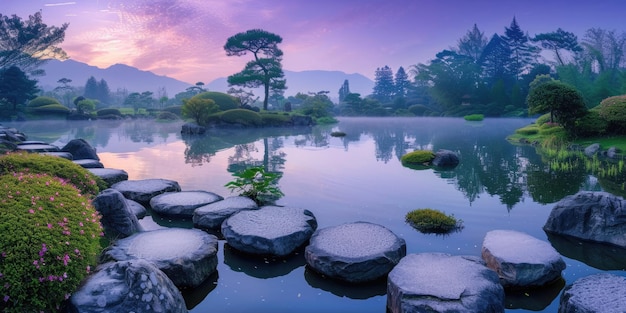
(184, 39)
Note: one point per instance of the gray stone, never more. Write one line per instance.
(612, 152)
(128, 286)
(437, 282)
(211, 216)
(445, 158)
(596, 293)
(354, 252)
(89, 163)
(118, 220)
(145, 189)
(187, 256)
(60, 154)
(38, 147)
(595, 216)
(192, 129)
(110, 176)
(12, 135)
(137, 209)
(521, 260)
(182, 203)
(591, 150)
(270, 230)
(80, 149)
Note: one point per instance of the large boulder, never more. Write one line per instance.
(80, 149)
(128, 286)
(354, 252)
(111, 176)
(183, 203)
(118, 220)
(594, 216)
(187, 256)
(521, 260)
(211, 216)
(145, 189)
(445, 158)
(270, 230)
(592, 149)
(437, 282)
(596, 293)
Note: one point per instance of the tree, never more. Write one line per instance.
(246, 98)
(605, 48)
(103, 92)
(383, 84)
(139, 100)
(15, 86)
(266, 69)
(496, 60)
(199, 109)
(344, 91)
(523, 53)
(28, 44)
(473, 43)
(562, 101)
(401, 83)
(557, 41)
(65, 91)
(91, 88)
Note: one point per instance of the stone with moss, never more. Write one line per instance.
(432, 221)
(418, 157)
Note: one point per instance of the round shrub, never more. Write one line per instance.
(474, 117)
(51, 109)
(418, 110)
(269, 119)
(432, 221)
(167, 116)
(592, 124)
(50, 241)
(42, 101)
(224, 101)
(86, 182)
(108, 111)
(613, 110)
(241, 116)
(418, 157)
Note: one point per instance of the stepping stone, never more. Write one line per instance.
(128, 286)
(187, 256)
(521, 260)
(118, 220)
(270, 230)
(438, 282)
(137, 209)
(182, 203)
(80, 149)
(211, 216)
(89, 163)
(354, 252)
(38, 147)
(145, 189)
(65, 155)
(110, 176)
(596, 293)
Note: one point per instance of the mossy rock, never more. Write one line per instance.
(51, 236)
(432, 221)
(338, 134)
(418, 157)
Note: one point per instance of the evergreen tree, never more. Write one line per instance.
(496, 60)
(383, 84)
(91, 88)
(344, 91)
(15, 86)
(473, 43)
(104, 93)
(401, 83)
(523, 53)
(557, 41)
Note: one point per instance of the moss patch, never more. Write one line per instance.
(418, 157)
(432, 221)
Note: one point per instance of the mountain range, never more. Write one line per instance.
(120, 76)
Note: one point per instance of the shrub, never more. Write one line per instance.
(592, 124)
(418, 110)
(474, 117)
(543, 119)
(51, 109)
(432, 221)
(88, 183)
(272, 119)
(167, 116)
(550, 129)
(256, 184)
(613, 110)
(326, 120)
(224, 101)
(241, 116)
(199, 109)
(50, 241)
(177, 109)
(528, 130)
(108, 111)
(42, 101)
(418, 157)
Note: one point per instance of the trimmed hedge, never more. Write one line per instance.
(42, 101)
(241, 116)
(224, 101)
(108, 111)
(273, 119)
(613, 110)
(50, 109)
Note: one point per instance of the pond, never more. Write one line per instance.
(358, 177)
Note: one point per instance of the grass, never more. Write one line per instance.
(474, 117)
(605, 142)
(432, 221)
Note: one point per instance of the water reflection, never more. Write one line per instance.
(262, 266)
(534, 299)
(601, 256)
(342, 289)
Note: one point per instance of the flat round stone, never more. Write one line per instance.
(182, 203)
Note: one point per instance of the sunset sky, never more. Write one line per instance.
(184, 39)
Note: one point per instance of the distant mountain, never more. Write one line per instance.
(117, 76)
(135, 80)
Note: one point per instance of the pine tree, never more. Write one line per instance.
(104, 93)
(344, 91)
(401, 83)
(91, 88)
(383, 84)
(523, 53)
(473, 44)
(496, 60)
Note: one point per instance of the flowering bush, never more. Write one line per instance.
(88, 183)
(50, 241)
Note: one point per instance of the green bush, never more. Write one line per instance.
(326, 120)
(224, 101)
(108, 112)
(269, 119)
(543, 119)
(418, 157)
(419, 110)
(241, 116)
(474, 117)
(432, 221)
(50, 109)
(528, 130)
(592, 124)
(550, 129)
(167, 116)
(177, 109)
(50, 241)
(42, 101)
(613, 110)
(88, 183)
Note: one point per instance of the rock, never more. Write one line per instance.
(192, 129)
(89, 163)
(612, 152)
(354, 252)
(127, 286)
(594, 216)
(80, 149)
(118, 220)
(521, 260)
(12, 135)
(37, 147)
(187, 256)
(60, 154)
(596, 293)
(270, 230)
(445, 158)
(110, 176)
(137, 209)
(211, 216)
(145, 189)
(182, 203)
(524, 141)
(437, 282)
(603, 256)
(591, 150)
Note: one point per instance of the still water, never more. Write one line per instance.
(354, 178)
